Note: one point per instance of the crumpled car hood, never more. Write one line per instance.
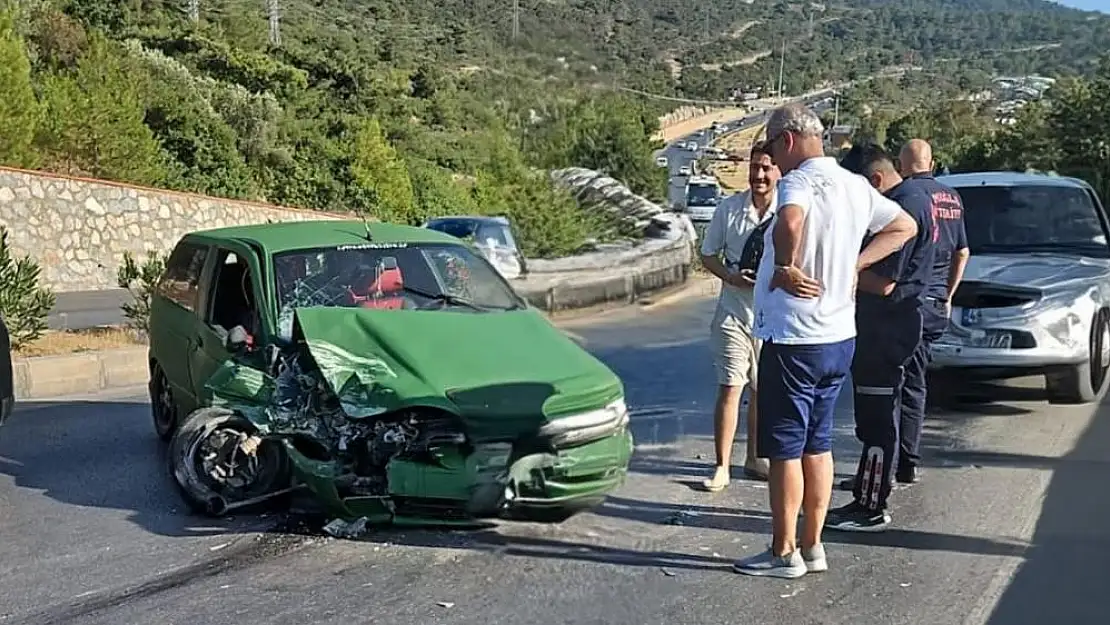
(1048, 272)
(504, 373)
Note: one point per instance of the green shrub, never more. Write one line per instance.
(24, 305)
(141, 281)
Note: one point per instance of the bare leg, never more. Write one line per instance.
(724, 433)
(753, 464)
(786, 488)
(818, 475)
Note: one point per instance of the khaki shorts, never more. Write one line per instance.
(735, 351)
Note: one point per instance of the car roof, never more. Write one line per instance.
(299, 235)
(496, 219)
(1008, 179)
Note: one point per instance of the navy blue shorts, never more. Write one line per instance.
(798, 387)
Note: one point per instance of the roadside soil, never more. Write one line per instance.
(733, 175)
(59, 342)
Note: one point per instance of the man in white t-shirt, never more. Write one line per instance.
(805, 315)
(735, 351)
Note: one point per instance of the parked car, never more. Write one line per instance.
(7, 379)
(1035, 297)
(493, 236)
(389, 370)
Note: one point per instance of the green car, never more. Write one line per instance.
(388, 370)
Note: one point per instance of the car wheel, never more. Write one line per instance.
(212, 470)
(162, 405)
(1087, 382)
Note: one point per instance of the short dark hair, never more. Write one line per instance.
(867, 158)
(760, 147)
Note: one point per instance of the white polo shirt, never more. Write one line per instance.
(840, 209)
(733, 222)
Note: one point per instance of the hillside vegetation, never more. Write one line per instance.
(408, 108)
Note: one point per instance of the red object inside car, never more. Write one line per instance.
(384, 292)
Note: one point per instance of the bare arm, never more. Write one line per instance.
(888, 240)
(956, 270)
(714, 266)
(871, 282)
(788, 235)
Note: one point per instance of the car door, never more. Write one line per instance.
(174, 310)
(230, 298)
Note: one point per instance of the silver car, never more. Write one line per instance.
(1035, 297)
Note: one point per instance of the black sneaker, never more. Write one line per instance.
(857, 518)
(906, 475)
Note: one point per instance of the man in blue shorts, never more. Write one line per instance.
(888, 323)
(805, 315)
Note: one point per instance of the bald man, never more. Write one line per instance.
(950, 258)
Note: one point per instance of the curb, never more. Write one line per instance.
(44, 377)
(619, 289)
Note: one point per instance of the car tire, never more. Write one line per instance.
(1087, 382)
(205, 494)
(163, 406)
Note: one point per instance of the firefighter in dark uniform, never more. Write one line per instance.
(888, 327)
(950, 258)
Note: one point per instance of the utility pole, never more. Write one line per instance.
(812, 12)
(516, 19)
(836, 109)
(782, 63)
(194, 11)
(274, 12)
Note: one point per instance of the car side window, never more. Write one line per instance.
(232, 294)
(180, 282)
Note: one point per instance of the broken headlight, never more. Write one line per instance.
(587, 426)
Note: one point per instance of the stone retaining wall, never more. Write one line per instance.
(79, 229)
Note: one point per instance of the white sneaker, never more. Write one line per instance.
(719, 480)
(814, 558)
(767, 564)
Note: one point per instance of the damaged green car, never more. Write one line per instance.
(388, 370)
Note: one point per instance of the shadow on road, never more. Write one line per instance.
(102, 455)
(1061, 580)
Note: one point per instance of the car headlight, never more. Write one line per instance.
(1064, 326)
(587, 426)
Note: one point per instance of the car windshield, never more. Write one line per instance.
(425, 276)
(460, 228)
(701, 195)
(1032, 218)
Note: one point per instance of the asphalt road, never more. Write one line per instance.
(1011, 513)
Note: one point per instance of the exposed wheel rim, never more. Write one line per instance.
(165, 410)
(217, 460)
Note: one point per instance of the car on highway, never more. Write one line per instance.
(1035, 297)
(684, 170)
(701, 197)
(661, 161)
(388, 371)
(7, 377)
(493, 236)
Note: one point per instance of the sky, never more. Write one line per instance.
(1089, 5)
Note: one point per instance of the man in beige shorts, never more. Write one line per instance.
(727, 254)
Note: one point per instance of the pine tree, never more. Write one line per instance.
(19, 110)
